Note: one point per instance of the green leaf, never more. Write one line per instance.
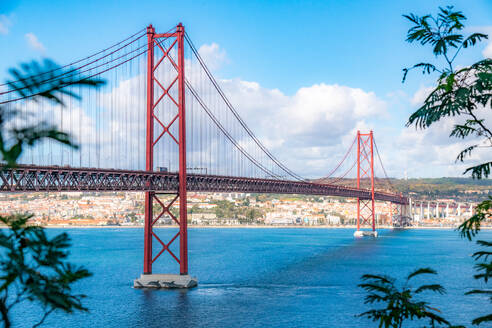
(479, 291)
(479, 171)
(34, 81)
(382, 279)
(399, 304)
(427, 68)
(482, 319)
(473, 39)
(465, 152)
(421, 271)
(471, 227)
(433, 287)
(464, 130)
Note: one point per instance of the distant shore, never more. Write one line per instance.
(250, 227)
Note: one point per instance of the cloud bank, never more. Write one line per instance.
(309, 130)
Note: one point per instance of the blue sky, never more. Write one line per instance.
(284, 45)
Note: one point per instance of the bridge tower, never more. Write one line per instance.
(156, 91)
(365, 171)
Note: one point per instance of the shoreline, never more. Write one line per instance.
(254, 227)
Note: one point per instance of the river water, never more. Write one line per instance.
(260, 277)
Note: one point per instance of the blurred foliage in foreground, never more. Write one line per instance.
(33, 266)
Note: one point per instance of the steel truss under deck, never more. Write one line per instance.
(55, 179)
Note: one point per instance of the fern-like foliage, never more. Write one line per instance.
(400, 303)
(459, 93)
(34, 268)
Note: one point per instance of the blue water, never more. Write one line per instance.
(260, 277)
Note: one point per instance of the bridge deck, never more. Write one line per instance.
(55, 179)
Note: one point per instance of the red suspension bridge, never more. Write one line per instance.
(163, 125)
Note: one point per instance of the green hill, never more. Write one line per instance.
(464, 189)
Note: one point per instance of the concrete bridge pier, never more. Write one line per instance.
(363, 233)
(165, 281)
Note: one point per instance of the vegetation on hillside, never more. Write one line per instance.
(460, 189)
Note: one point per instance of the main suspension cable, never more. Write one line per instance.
(392, 188)
(80, 60)
(342, 161)
(77, 81)
(75, 70)
(226, 133)
(235, 113)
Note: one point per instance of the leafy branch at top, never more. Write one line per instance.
(442, 34)
(466, 92)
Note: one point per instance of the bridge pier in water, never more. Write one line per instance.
(148, 279)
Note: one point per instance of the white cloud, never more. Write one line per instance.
(307, 117)
(308, 131)
(34, 43)
(322, 112)
(420, 95)
(311, 129)
(487, 52)
(431, 152)
(213, 55)
(4, 24)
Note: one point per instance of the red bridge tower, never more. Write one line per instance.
(365, 172)
(148, 279)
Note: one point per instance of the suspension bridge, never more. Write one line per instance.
(163, 125)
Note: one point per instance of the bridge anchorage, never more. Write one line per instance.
(189, 124)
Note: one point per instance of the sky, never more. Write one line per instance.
(330, 67)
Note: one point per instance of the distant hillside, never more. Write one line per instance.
(451, 181)
(463, 189)
(466, 189)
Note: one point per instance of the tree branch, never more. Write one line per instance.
(46, 314)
